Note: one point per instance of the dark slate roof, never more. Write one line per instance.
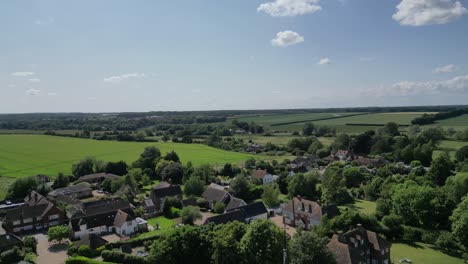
(164, 190)
(91, 240)
(95, 176)
(253, 209)
(28, 212)
(66, 199)
(83, 186)
(9, 240)
(234, 203)
(104, 205)
(121, 217)
(235, 215)
(213, 194)
(162, 184)
(35, 198)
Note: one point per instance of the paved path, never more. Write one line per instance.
(55, 254)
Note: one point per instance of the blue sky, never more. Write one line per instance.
(108, 56)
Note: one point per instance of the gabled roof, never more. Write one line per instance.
(35, 198)
(104, 205)
(253, 209)
(28, 212)
(91, 240)
(121, 217)
(235, 215)
(165, 189)
(344, 254)
(259, 174)
(377, 241)
(83, 186)
(96, 176)
(9, 240)
(213, 194)
(235, 203)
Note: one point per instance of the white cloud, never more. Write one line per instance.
(23, 74)
(286, 38)
(445, 68)
(426, 12)
(32, 92)
(44, 21)
(120, 78)
(34, 80)
(281, 8)
(324, 61)
(457, 84)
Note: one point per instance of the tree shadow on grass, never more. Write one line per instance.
(452, 253)
(409, 243)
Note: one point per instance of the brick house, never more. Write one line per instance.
(36, 214)
(300, 211)
(155, 203)
(360, 246)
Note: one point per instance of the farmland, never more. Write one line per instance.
(343, 122)
(22, 155)
(457, 123)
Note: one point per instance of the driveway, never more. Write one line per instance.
(205, 215)
(55, 254)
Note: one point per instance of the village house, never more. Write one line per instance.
(215, 195)
(102, 216)
(304, 163)
(8, 241)
(263, 176)
(37, 213)
(155, 203)
(97, 178)
(307, 213)
(92, 241)
(360, 246)
(78, 191)
(245, 214)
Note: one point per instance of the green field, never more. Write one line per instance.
(457, 123)
(363, 206)
(420, 253)
(345, 124)
(450, 146)
(164, 226)
(22, 155)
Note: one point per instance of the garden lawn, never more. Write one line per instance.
(363, 206)
(22, 155)
(165, 225)
(420, 253)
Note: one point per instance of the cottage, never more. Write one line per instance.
(8, 241)
(263, 176)
(78, 191)
(102, 216)
(252, 211)
(307, 213)
(360, 246)
(215, 195)
(97, 178)
(155, 203)
(225, 218)
(235, 203)
(305, 163)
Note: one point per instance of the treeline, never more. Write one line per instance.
(427, 119)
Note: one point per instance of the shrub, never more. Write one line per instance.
(10, 256)
(85, 251)
(175, 212)
(84, 260)
(412, 234)
(446, 241)
(30, 242)
(219, 208)
(117, 257)
(30, 257)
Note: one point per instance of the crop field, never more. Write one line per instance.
(420, 253)
(450, 146)
(269, 120)
(22, 155)
(457, 123)
(358, 123)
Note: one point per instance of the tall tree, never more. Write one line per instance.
(262, 243)
(308, 248)
(441, 168)
(304, 185)
(459, 220)
(226, 243)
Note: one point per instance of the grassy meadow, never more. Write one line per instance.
(344, 123)
(458, 123)
(421, 253)
(363, 206)
(22, 155)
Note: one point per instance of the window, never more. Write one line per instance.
(27, 220)
(18, 222)
(39, 218)
(55, 216)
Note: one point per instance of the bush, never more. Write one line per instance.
(30, 242)
(219, 208)
(30, 257)
(10, 256)
(412, 234)
(117, 257)
(446, 241)
(202, 203)
(429, 237)
(175, 212)
(85, 251)
(84, 260)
